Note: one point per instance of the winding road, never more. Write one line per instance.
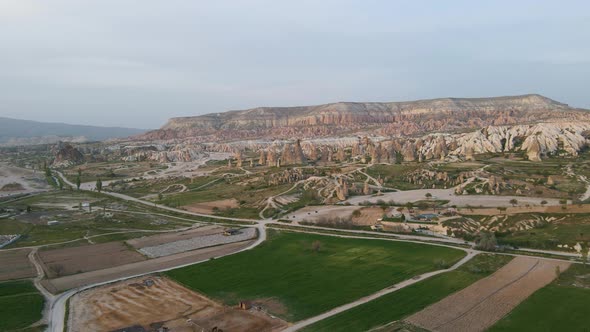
(56, 304)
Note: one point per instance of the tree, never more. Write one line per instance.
(409, 205)
(79, 172)
(356, 213)
(557, 272)
(78, 182)
(29, 209)
(487, 241)
(513, 202)
(60, 184)
(428, 195)
(98, 185)
(543, 202)
(563, 201)
(160, 196)
(58, 269)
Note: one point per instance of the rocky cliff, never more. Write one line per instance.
(394, 118)
(66, 155)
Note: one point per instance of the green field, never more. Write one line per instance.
(559, 306)
(21, 305)
(406, 301)
(307, 281)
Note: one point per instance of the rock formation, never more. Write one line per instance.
(66, 155)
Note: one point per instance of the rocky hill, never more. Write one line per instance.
(411, 118)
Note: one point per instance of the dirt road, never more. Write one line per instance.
(389, 290)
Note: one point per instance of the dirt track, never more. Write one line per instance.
(480, 305)
(82, 279)
(153, 301)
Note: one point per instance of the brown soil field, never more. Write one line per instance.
(78, 280)
(14, 264)
(368, 216)
(480, 305)
(154, 302)
(67, 261)
(207, 207)
(155, 240)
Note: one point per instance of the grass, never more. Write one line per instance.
(401, 304)
(308, 282)
(21, 305)
(559, 306)
(76, 225)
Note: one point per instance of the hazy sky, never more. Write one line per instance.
(137, 63)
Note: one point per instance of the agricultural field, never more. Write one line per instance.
(55, 218)
(559, 306)
(21, 305)
(15, 264)
(483, 303)
(67, 261)
(307, 274)
(398, 305)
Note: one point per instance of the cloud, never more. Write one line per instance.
(20, 9)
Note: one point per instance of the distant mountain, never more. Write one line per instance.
(390, 118)
(24, 132)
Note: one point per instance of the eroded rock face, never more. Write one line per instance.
(534, 140)
(396, 118)
(67, 155)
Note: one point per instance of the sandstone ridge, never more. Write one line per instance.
(391, 118)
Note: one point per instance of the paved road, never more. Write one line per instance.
(58, 305)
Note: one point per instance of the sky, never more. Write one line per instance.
(136, 63)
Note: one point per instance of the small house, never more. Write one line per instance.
(245, 305)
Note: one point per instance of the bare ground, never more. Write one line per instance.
(368, 216)
(14, 264)
(66, 261)
(208, 207)
(151, 265)
(161, 304)
(480, 305)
